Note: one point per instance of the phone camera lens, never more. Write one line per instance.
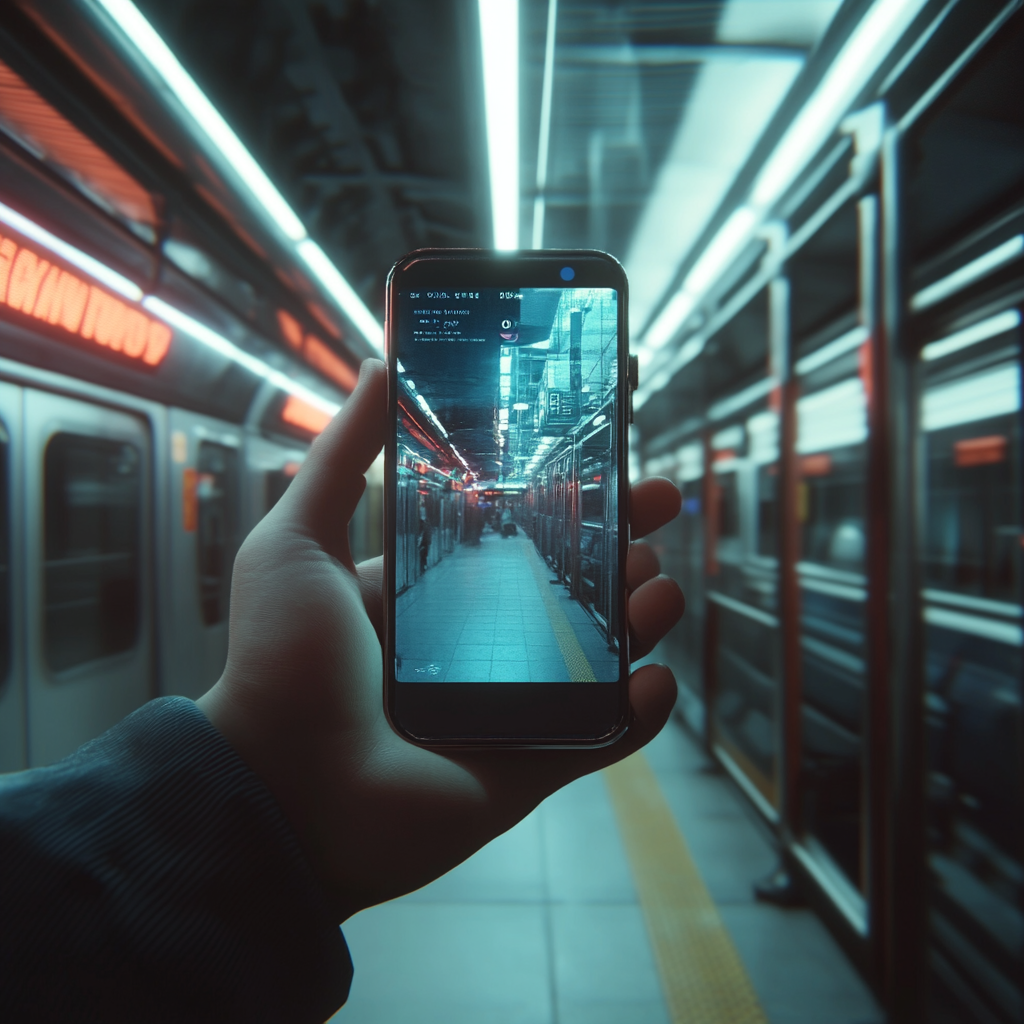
(567, 273)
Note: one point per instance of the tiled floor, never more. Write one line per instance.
(543, 926)
(482, 614)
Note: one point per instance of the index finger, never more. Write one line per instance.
(652, 503)
(327, 489)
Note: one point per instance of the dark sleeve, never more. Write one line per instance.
(151, 876)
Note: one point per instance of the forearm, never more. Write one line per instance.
(151, 876)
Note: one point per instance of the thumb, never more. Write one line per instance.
(327, 489)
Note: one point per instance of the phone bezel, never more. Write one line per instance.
(505, 714)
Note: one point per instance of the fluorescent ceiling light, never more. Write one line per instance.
(729, 240)
(731, 237)
(869, 44)
(723, 117)
(499, 48)
(158, 55)
(150, 48)
(211, 339)
(985, 264)
(342, 292)
(100, 271)
(545, 126)
(982, 331)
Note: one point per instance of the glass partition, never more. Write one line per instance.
(93, 500)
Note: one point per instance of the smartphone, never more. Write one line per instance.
(506, 497)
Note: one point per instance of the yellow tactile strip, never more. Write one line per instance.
(572, 654)
(701, 973)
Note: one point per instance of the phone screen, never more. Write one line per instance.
(505, 565)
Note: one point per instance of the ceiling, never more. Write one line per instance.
(368, 116)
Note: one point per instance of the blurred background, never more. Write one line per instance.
(820, 208)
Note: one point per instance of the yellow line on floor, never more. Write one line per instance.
(572, 654)
(701, 973)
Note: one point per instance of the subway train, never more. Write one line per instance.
(137, 448)
(843, 417)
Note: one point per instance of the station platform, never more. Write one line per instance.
(489, 612)
(625, 898)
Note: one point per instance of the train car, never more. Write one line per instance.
(154, 405)
(843, 416)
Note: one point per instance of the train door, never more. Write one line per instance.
(205, 534)
(88, 592)
(13, 737)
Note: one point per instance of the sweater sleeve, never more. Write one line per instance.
(151, 876)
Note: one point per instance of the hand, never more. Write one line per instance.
(301, 694)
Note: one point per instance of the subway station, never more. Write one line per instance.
(819, 206)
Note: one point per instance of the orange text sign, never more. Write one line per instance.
(35, 286)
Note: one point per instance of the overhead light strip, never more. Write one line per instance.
(499, 51)
(151, 49)
(218, 343)
(543, 141)
(100, 271)
(868, 45)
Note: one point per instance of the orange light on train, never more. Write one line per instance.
(31, 284)
(291, 329)
(980, 451)
(304, 416)
(819, 464)
(329, 363)
(319, 355)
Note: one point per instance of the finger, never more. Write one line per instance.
(654, 608)
(327, 489)
(371, 586)
(641, 564)
(652, 695)
(652, 503)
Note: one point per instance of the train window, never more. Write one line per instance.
(5, 548)
(974, 515)
(93, 509)
(965, 158)
(276, 482)
(218, 527)
(728, 522)
(831, 445)
(824, 275)
(831, 448)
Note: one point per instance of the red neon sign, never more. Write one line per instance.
(33, 285)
